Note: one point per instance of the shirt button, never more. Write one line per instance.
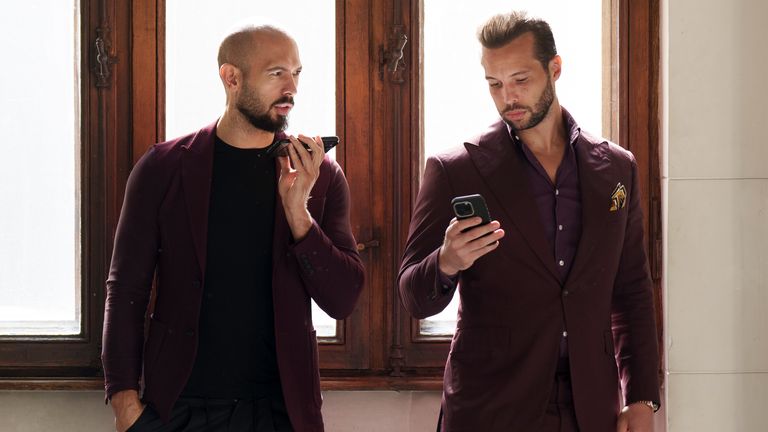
(557, 191)
(562, 263)
(560, 227)
(565, 334)
(565, 293)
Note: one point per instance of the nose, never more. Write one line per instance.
(291, 86)
(510, 95)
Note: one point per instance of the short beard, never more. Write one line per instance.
(539, 111)
(252, 108)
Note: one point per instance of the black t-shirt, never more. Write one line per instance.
(236, 352)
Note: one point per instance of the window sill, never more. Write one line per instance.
(327, 383)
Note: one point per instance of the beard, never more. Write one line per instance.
(538, 112)
(254, 110)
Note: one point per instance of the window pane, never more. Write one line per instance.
(457, 104)
(194, 93)
(39, 177)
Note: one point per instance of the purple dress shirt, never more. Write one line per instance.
(559, 205)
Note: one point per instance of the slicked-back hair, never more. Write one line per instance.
(503, 28)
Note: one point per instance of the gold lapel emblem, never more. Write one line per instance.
(618, 198)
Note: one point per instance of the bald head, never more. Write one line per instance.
(239, 45)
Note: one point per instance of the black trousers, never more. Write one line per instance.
(218, 415)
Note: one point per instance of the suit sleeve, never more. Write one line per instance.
(130, 278)
(633, 316)
(424, 290)
(330, 266)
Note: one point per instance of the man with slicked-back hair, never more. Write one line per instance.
(556, 329)
(239, 239)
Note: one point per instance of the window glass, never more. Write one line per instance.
(39, 169)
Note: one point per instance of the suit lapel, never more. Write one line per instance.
(196, 175)
(596, 183)
(501, 165)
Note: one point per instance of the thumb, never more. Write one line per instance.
(285, 165)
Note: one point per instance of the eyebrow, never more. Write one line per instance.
(522, 72)
(281, 68)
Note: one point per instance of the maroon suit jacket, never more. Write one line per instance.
(513, 309)
(163, 228)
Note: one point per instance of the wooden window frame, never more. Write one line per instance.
(48, 362)
(379, 118)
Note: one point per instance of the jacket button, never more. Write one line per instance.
(565, 293)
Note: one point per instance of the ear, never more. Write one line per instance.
(555, 67)
(230, 77)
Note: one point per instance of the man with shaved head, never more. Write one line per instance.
(238, 239)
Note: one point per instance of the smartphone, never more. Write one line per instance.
(280, 147)
(470, 206)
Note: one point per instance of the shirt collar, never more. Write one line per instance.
(570, 125)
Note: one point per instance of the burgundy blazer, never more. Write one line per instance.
(513, 309)
(163, 229)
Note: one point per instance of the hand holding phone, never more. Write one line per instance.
(467, 206)
(280, 147)
(469, 236)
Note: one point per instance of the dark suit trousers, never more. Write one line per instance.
(217, 415)
(560, 415)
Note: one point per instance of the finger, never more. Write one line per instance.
(320, 148)
(481, 230)
(480, 242)
(296, 162)
(302, 155)
(477, 253)
(306, 147)
(316, 144)
(465, 224)
(285, 164)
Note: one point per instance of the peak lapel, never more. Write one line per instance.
(500, 163)
(596, 183)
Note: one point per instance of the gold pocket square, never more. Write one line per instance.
(618, 198)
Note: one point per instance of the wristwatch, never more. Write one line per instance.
(651, 404)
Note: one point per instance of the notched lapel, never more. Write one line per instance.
(501, 166)
(196, 175)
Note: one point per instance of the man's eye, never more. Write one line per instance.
(276, 73)
(522, 80)
(494, 84)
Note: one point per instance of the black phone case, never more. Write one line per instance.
(478, 204)
(278, 147)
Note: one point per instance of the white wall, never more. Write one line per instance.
(716, 185)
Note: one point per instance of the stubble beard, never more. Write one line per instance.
(253, 109)
(539, 111)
